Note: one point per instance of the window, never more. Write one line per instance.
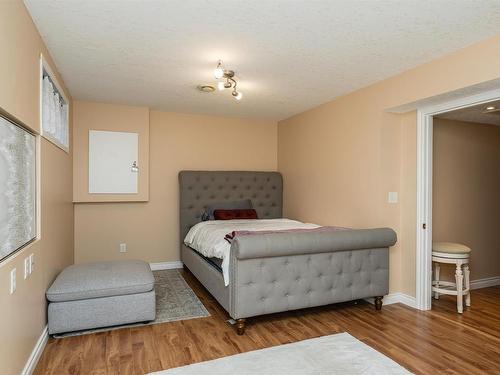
(17, 187)
(54, 109)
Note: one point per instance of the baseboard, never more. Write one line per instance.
(405, 299)
(36, 353)
(398, 297)
(165, 265)
(410, 301)
(485, 283)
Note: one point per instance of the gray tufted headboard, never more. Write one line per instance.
(197, 189)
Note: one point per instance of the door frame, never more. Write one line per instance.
(424, 188)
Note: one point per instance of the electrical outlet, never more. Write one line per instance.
(12, 281)
(32, 263)
(123, 248)
(27, 267)
(392, 197)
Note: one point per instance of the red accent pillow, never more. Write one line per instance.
(235, 214)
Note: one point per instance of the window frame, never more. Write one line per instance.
(44, 66)
(37, 206)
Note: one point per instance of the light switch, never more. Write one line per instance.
(27, 266)
(32, 263)
(123, 248)
(392, 197)
(12, 281)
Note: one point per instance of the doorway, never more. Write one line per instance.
(425, 138)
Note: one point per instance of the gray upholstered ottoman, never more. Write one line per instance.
(93, 295)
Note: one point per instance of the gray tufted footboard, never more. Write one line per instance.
(280, 272)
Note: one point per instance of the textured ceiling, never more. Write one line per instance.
(289, 55)
(475, 114)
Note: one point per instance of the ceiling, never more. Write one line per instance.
(289, 55)
(476, 114)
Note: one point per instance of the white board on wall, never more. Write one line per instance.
(111, 156)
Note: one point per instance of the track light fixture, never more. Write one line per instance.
(226, 80)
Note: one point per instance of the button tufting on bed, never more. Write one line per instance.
(305, 281)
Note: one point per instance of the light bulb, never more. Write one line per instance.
(218, 72)
(490, 108)
(237, 95)
(221, 85)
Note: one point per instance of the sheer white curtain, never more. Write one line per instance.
(17, 187)
(54, 113)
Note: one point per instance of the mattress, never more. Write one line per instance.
(208, 237)
(214, 262)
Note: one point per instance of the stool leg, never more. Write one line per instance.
(437, 269)
(459, 278)
(467, 284)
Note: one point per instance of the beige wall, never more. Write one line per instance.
(111, 117)
(407, 234)
(177, 142)
(341, 159)
(23, 314)
(466, 191)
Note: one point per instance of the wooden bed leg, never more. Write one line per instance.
(240, 326)
(378, 303)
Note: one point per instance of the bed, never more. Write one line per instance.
(276, 272)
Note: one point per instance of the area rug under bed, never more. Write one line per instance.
(175, 300)
(336, 354)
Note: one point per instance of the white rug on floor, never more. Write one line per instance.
(335, 354)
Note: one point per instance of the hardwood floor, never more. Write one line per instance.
(437, 341)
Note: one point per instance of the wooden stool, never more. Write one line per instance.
(458, 254)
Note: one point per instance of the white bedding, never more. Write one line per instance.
(207, 237)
